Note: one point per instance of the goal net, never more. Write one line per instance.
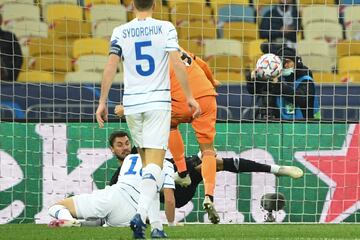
(51, 146)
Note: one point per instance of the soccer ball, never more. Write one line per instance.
(268, 66)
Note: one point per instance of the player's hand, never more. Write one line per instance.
(193, 104)
(119, 110)
(101, 114)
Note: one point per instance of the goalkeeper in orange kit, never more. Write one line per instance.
(202, 85)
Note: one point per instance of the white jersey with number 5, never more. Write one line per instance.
(143, 46)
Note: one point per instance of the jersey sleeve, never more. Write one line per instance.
(115, 46)
(172, 39)
(168, 169)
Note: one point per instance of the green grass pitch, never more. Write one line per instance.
(191, 231)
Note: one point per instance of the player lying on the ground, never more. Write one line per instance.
(236, 165)
(117, 204)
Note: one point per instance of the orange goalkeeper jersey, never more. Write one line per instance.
(200, 78)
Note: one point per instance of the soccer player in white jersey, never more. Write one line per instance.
(115, 204)
(145, 46)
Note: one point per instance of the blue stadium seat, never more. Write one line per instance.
(349, 2)
(236, 13)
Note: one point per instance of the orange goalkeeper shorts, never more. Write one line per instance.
(204, 126)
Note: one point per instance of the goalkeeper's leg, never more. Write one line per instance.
(64, 213)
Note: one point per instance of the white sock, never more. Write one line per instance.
(60, 212)
(154, 213)
(274, 168)
(148, 189)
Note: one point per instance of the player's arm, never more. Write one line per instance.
(169, 202)
(108, 76)
(205, 67)
(181, 74)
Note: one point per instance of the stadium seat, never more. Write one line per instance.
(52, 63)
(194, 46)
(91, 63)
(36, 77)
(28, 28)
(312, 2)
(242, 31)
(349, 64)
(265, 2)
(69, 29)
(162, 12)
(83, 77)
(108, 12)
(90, 3)
(348, 48)
(173, 4)
(319, 13)
(46, 3)
(219, 3)
(321, 30)
(229, 77)
(18, 11)
(352, 22)
(188, 12)
(198, 30)
(318, 55)
(230, 47)
(326, 77)
(235, 13)
(225, 63)
(31, 2)
(90, 46)
(253, 52)
(48, 46)
(349, 2)
(63, 12)
(104, 29)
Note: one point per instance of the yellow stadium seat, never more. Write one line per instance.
(83, 77)
(18, 11)
(89, 46)
(188, 12)
(348, 48)
(48, 46)
(230, 77)
(67, 29)
(326, 77)
(319, 13)
(36, 77)
(265, 2)
(353, 77)
(162, 12)
(243, 31)
(225, 63)
(312, 2)
(63, 11)
(89, 3)
(349, 64)
(199, 30)
(253, 51)
(218, 3)
(52, 63)
(229, 47)
(194, 46)
(174, 3)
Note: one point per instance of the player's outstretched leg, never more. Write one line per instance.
(63, 211)
(138, 227)
(64, 223)
(290, 171)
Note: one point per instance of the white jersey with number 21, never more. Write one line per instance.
(143, 46)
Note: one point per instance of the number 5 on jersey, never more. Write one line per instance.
(146, 57)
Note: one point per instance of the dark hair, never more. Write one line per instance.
(143, 5)
(117, 134)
